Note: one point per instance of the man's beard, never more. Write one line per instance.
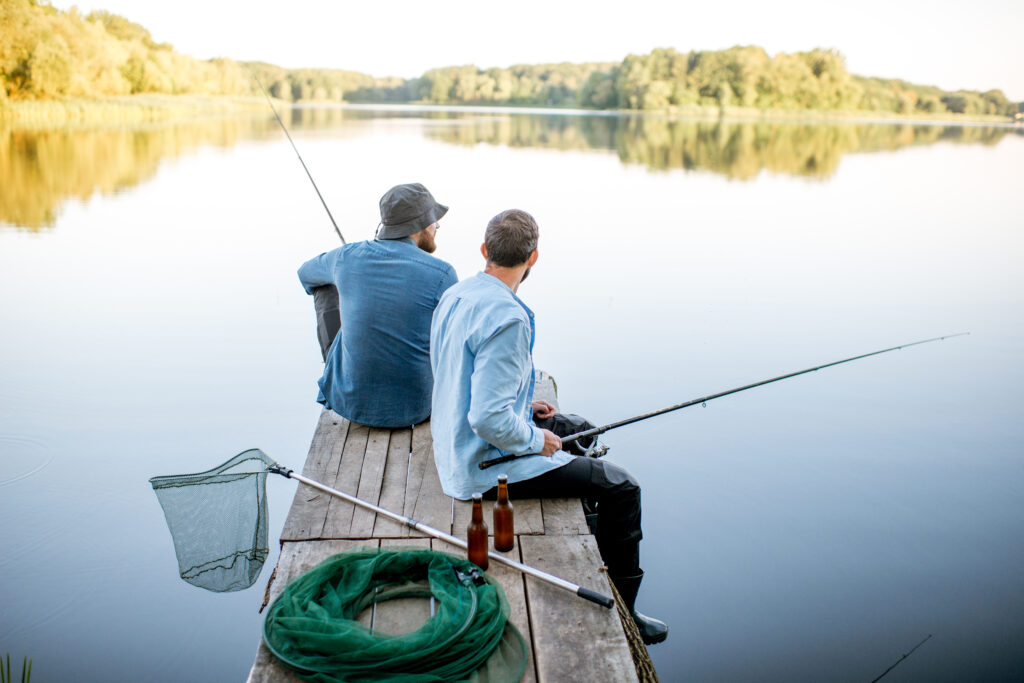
(426, 243)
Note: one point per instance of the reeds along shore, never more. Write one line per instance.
(124, 109)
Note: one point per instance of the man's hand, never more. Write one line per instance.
(551, 442)
(543, 410)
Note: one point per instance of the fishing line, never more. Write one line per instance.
(288, 135)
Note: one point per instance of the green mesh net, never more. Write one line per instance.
(312, 626)
(218, 521)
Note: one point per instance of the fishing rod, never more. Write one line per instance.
(905, 655)
(285, 129)
(585, 593)
(703, 400)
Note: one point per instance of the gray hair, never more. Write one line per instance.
(511, 237)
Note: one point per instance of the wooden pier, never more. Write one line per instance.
(569, 639)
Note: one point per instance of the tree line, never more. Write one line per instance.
(48, 53)
(746, 77)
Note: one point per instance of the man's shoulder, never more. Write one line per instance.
(490, 300)
(430, 261)
(410, 253)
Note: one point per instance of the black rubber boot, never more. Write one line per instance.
(651, 630)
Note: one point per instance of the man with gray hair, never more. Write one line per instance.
(377, 369)
(481, 352)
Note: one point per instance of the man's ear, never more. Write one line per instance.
(483, 250)
(534, 255)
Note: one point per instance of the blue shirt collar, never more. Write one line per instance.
(487, 277)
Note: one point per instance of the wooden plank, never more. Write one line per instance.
(309, 507)
(306, 516)
(339, 512)
(432, 506)
(574, 640)
(295, 560)
(392, 493)
(370, 481)
(418, 462)
(527, 516)
(564, 517)
(330, 432)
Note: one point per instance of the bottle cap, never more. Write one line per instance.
(478, 497)
(502, 478)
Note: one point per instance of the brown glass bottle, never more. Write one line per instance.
(476, 534)
(504, 531)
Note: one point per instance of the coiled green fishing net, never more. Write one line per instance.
(312, 626)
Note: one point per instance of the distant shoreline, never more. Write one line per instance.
(148, 108)
(126, 109)
(728, 113)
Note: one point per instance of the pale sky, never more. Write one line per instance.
(975, 45)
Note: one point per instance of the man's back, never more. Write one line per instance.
(481, 342)
(378, 368)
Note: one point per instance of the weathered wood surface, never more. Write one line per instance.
(568, 638)
(573, 642)
(396, 474)
(526, 513)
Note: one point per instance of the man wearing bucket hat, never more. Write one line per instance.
(377, 369)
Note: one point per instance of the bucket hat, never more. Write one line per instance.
(407, 209)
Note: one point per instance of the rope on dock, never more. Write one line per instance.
(641, 659)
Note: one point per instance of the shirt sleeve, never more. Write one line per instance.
(501, 364)
(319, 271)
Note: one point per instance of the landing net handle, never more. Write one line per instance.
(584, 593)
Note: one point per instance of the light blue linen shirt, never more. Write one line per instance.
(481, 353)
(377, 370)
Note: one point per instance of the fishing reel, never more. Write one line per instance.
(567, 424)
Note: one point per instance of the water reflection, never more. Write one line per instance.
(44, 167)
(735, 149)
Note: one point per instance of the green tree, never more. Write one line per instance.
(49, 67)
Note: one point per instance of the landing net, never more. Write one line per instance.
(218, 521)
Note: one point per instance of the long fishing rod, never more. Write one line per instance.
(285, 129)
(584, 593)
(905, 655)
(614, 425)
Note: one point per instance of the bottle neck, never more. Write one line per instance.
(478, 512)
(502, 493)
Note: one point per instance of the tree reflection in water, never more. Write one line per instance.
(43, 167)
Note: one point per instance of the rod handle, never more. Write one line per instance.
(497, 461)
(593, 596)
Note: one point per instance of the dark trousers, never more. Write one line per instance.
(609, 488)
(328, 316)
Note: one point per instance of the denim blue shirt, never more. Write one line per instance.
(377, 370)
(481, 351)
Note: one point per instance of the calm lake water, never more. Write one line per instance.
(810, 530)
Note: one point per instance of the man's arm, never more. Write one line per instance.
(319, 271)
(501, 363)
